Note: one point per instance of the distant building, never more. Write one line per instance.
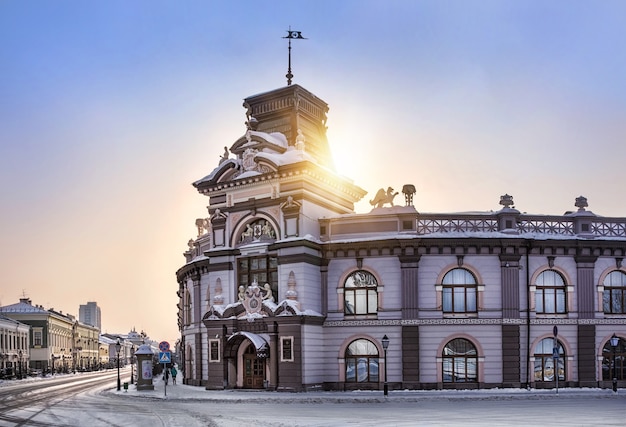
(90, 314)
(51, 335)
(58, 342)
(286, 288)
(14, 347)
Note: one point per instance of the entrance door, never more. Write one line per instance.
(254, 369)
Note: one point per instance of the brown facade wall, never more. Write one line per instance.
(290, 373)
(587, 356)
(197, 375)
(510, 291)
(409, 289)
(410, 357)
(511, 360)
(585, 290)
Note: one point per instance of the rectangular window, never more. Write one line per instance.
(471, 299)
(37, 338)
(447, 299)
(350, 370)
(214, 350)
(459, 300)
(560, 302)
(286, 345)
(263, 269)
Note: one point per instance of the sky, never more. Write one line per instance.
(110, 110)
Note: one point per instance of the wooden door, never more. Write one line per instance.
(254, 369)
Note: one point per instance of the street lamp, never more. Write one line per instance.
(118, 346)
(132, 365)
(385, 342)
(614, 343)
(20, 365)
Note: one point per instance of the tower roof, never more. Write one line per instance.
(287, 110)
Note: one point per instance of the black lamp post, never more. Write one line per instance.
(385, 342)
(118, 346)
(614, 343)
(132, 365)
(20, 365)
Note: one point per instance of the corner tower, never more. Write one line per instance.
(254, 276)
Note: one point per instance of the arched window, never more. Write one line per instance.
(619, 368)
(614, 297)
(544, 360)
(460, 362)
(459, 291)
(361, 362)
(550, 293)
(187, 308)
(360, 293)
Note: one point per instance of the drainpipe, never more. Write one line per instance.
(529, 296)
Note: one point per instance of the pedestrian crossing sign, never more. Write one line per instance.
(165, 357)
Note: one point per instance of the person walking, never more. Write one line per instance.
(174, 372)
(166, 376)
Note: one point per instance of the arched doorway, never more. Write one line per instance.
(247, 354)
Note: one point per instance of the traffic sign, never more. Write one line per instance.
(164, 346)
(165, 357)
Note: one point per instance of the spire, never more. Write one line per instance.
(291, 35)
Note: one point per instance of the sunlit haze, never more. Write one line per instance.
(110, 110)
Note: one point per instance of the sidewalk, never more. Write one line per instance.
(196, 393)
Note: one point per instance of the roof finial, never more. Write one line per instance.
(291, 35)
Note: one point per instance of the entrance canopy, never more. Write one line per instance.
(260, 342)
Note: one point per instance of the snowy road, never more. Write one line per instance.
(187, 406)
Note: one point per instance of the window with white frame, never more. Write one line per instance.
(37, 337)
(614, 296)
(360, 293)
(459, 291)
(362, 362)
(550, 293)
(460, 362)
(545, 360)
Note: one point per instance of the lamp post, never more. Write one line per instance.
(614, 343)
(20, 364)
(118, 346)
(132, 365)
(385, 342)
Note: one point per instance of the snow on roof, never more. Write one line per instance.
(462, 234)
(22, 307)
(275, 138)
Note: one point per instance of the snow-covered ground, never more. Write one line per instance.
(188, 406)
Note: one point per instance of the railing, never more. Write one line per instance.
(546, 225)
(555, 225)
(454, 224)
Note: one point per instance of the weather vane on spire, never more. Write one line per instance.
(291, 35)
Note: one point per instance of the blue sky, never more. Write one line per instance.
(109, 110)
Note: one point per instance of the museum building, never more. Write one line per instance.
(286, 288)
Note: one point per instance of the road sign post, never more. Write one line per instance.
(164, 358)
(555, 357)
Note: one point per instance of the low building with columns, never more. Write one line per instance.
(14, 348)
(286, 288)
